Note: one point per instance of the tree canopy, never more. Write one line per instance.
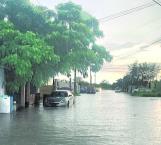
(139, 75)
(23, 54)
(37, 43)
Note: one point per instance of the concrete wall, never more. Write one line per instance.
(46, 90)
(64, 83)
(49, 88)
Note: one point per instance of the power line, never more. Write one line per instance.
(157, 41)
(153, 43)
(126, 12)
(133, 53)
(157, 2)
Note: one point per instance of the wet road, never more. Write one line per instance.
(107, 118)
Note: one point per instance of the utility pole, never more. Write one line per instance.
(157, 2)
(95, 77)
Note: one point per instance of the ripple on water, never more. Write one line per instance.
(106, 118)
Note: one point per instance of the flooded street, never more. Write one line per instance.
(107, 118)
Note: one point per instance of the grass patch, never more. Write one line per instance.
(147, 94)
(76, 94)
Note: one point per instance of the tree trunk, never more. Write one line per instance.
(70, 83)
(2, 81)
(27, 96)
(54, 84)
(90, 76)
(149, 85)
(95, 78)
(75, 81)
(20, 103)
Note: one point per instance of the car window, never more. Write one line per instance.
(59, 94)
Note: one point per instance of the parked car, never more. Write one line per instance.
(118, 91)
(59, 98)
(91, 90)
(98, 89)
(83, 89)
(64, 88)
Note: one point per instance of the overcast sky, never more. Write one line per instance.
(128, 38)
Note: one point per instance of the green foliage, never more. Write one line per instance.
(2, 10)
(92, 23)
(142, 74)
(68, 12)
(83, 83)
(155, 92)
(147, 94)
(81, 60)
(80, 30)
(139, 75)
(157, 86)
(27, 17)
(23, 53)
(37, 43)
(102, 55)
(105, 85)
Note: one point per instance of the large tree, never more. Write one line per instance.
(27, 17)
(69, 32)
(139, 75)
(24, 55)
(142, 74)
(31, 24)
(78, 31)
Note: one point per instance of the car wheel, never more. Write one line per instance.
(68, 104)
(45, 104)
(74, 101)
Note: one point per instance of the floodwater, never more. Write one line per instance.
(107, 118)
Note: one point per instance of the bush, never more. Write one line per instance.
(147, 94)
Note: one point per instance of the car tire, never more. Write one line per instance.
(74, 101)
(45, 104)
(68, 104)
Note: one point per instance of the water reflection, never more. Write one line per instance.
(107, 118)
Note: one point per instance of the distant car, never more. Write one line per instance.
(118, 91)
(59, 98)
(64, 88)
(135, 90)
(98, 89)
(91, 90)
(83, 89)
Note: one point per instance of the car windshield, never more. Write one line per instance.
(59, 94)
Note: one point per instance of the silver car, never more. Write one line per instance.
(59, 98)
